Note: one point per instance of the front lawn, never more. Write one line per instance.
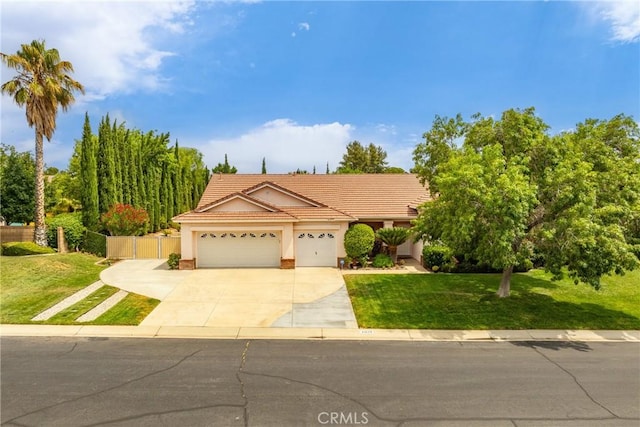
(468, 301)
(31, 284)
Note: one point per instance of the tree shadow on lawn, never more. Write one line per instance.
(469, 302)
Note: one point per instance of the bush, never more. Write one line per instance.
(125, 220)
(382, 261)
(94, 243)
(24, 248)
(436, 255)
(173, 261)
(359, 240)
(73, 230)
(364, 261)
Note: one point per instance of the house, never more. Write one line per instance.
(293, 220)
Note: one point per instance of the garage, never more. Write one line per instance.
(238, 249)
(315, 249)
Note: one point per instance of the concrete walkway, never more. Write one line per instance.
(68, 302)
(261, 297)
(317, 333)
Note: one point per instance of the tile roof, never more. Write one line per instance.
(345, 197)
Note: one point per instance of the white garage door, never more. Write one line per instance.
(315, 249)
(238, 249)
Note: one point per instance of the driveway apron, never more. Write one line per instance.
(261, 297)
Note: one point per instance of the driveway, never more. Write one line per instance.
(261, 297)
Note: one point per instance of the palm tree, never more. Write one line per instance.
(42, 84)
(393, 237)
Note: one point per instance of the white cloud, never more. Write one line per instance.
(285, 144)
(109, 42)
(622, 16)
(386, 129)
(304, 26)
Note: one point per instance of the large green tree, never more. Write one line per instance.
(361, 159)
(227, 168)
(43, 84)
(508, 186)
(17, 177)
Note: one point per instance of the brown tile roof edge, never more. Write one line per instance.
(354, 195)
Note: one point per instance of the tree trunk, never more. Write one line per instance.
(505, 282)
(40, 232)
(393, 251)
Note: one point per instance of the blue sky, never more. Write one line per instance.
(296, 81)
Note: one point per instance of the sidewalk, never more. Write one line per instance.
(315, 333)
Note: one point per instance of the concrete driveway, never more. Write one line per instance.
(304, 297)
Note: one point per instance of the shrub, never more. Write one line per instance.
(173, 261)
(73, 230)
(94, 243)
(125, 220)
(436, 255)
(24, 248)
(382, 261)
(364, 260)
(359, 240)
(393, 237)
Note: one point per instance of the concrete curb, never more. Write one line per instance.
(317, 333)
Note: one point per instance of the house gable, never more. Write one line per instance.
(237, 202)
(279, 196)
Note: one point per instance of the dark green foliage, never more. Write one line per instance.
(89, 178)
(73, 230)
(227, 168)
(436, 255)
(106, 166)
(393, 237)
(24, 248)
(382, 261)
(361, 159)
(173, 261)
(139, 169)
(17, 185)
(505, 186)
(358, 240)
(264, 165)
(94, 243)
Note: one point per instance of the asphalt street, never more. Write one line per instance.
(174, 382)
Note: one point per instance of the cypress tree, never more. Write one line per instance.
(89, 177)
(142, 193)
(126, 169)
(264, 165)
(177, 182)
(106, 167)
(116, 135)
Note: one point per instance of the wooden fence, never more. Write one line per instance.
(131, 247)
(16, 234)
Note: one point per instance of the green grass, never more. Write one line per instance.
(69, 315)
(32, 284)
(23, 248)
(468, 301)
(130, 311)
